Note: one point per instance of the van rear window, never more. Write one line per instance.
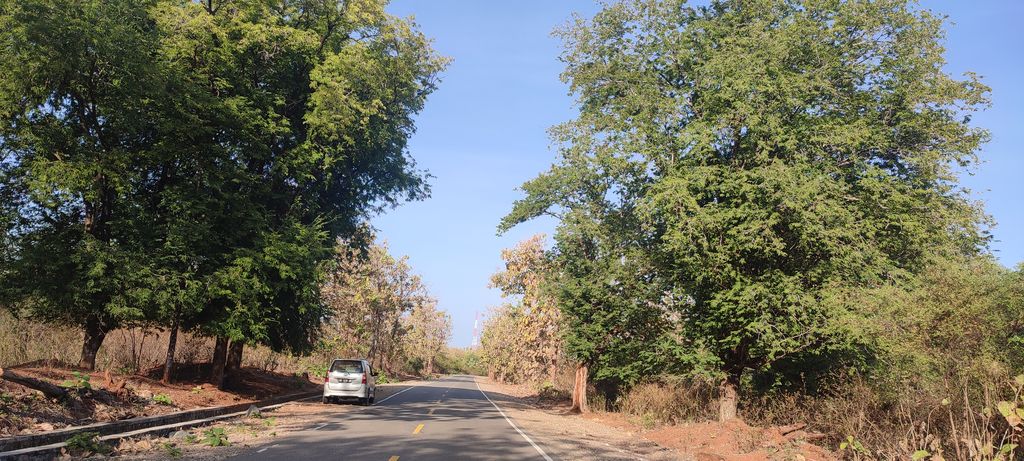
(347, 366)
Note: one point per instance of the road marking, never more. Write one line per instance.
(393, 458)
(320, 426)
(396, 393)
(545, 455)
(431, 412)
(261, 450)
(418, 429)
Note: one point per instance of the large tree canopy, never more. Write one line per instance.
(154, 147)
(766, 157)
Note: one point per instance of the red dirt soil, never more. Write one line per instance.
(736, 441)
(114, 397)
(705, 441)
(730, 441)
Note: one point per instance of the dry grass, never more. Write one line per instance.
(127, 350)
(955, 421)
(26, 341)
(669, 402)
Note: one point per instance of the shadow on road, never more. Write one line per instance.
(463, 425)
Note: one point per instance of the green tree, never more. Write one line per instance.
(80, 102)
(191, 163)
(312, 105)
(776, 155)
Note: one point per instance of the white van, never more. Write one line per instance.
(350, 378)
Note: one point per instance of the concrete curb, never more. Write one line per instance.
(40, 444)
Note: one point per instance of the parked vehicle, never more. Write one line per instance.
(350, 379)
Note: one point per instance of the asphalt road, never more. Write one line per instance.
(448, 419)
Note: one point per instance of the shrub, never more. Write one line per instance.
(163, 399)
(171, 449)
(86, 443)
(318, 370)
(79, 382)
(414, 365)
(215, 437)
(461, 362)
(548, 391)
(670, 401)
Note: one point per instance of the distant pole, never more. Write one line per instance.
(476, 330)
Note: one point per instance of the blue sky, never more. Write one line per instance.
(483, 133)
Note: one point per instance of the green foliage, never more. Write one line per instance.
(462, 361)
(414, 365)
(917, 455)
(85, 444)
(163, 399)
(79, 381)
(215, 437)
(171, 450)
(76, 148)
(318, 370)
(178, 163)
(854, 446)
(741, 174)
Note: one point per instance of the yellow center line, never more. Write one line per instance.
(393, 458)
(418, 429)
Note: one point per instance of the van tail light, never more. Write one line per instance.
(327, 378)
(364, 378)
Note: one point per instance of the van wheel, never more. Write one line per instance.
(325, 400)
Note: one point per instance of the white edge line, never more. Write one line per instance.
(496, 407)
(320, 426)
(385, 399)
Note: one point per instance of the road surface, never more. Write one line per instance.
(446, 419)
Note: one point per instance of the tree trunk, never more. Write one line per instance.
(728, 397)
(220, 357)
(49, 390)
(579, 390)
(94, 335)
(172, 343)
(430, 366)
(233, 365)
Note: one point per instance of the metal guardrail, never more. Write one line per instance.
(21, 445)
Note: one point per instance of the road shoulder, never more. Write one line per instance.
(245, 435)
(569, 436)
